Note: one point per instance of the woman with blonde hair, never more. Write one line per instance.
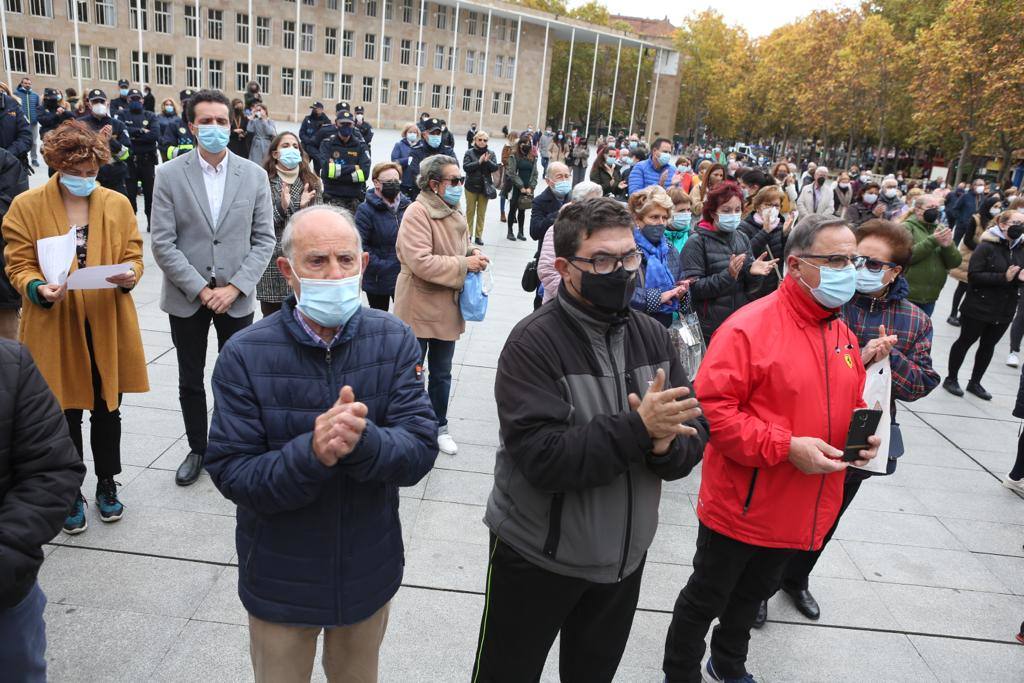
(86, 342)
(767, 228)
(478, 164)
(660, 287)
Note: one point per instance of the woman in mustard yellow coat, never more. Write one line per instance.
(86, 343)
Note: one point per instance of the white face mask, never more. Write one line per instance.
(99, 109)
(770, 215)
(994, 211)
(890, 192)
(870, 198)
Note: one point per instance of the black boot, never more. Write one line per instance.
(952, 386)
(510, 235)
(522, 237)
(978, 390)
(804, 602)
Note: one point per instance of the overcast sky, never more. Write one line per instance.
(758, 17)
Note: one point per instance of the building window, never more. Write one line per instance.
(385, 90)
(329, 81)
(367, 88)
(370, 46)
(106, 12)
(499, 66)
(41, 8)
(263, 31)
(305, 83)
(496, 103)
(107, 58)
(441, 20)
(483, 26)
(308, 39)
(216, 81)
(164, 69)
(435, 97)
(162, 17)
(85, 62)
(371, 8)
(241, 28)
(417, 95)
(193, 75)
(241, 75)
(350, 8)
(403, 93)
(347, 43)
(424, 19)
(13, 6)
(406, 18)
(191, 23)
(385, 48)
(138, 77)
(481, 64)
(470, 60)
(215, 24)
(405, 52)
(389, 10)
(453, 58)
(331, 4)
(330, 40)
(288, 28)
(137, 9)
(478, 101)
(449, 102)
(510, 66)
(471, 24)
(263, 78)
(311, 3)
(501, 26)
(439, 57)
(345, 91)
(467, 99)
(506, 108)
(287, 80)
(44, 57)
(421, 54)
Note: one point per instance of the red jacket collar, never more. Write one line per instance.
(803, 306)
(707, 225)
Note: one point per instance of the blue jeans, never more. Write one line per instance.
(438, 355)
(23, 639)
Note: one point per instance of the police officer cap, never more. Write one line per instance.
(359, 110)
(342, 106)
(186, 94)
(432, 125)
(345, 116)
(96, 95)
(133, 93)
(317, 105)
(123, 83)
(51, 94)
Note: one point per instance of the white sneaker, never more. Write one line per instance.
(1013, 360)
(445, 442)
(1013, 484)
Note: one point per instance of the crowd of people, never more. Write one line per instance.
(323, 407)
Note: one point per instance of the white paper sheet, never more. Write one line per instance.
(55, 255)
(95, 277)
(878, 396)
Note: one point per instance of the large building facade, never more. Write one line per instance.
(469, 62)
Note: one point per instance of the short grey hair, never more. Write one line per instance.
(430, 169)
(801, 239)
(288, 236)
(920, 200)
(552, 167)
(585, 190)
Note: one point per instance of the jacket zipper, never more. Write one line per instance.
(341, 496)
(828, 412)
(750, 491)
(629, 474)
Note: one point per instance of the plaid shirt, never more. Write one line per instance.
(313, 335)
(913, 376)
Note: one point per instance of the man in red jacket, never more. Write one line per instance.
(778, 385)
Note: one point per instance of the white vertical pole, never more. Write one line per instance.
(78, 51)
(543, 71)
(515, 72)
(138, 24)
(419, 62)
(487, 65)
(252, 36)
(615, 85)
(380, 65)
(7, 60)
(295, 75)
(636, 86)
(455, 67)
(593, 73)
(654, 97)
(199, 59)
(568, 74)
(341, 47)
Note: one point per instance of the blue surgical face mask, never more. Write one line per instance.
(169, 109)
(80, 186)
(728, 222)
(135, 107)
(411, 138)
(837, 286)
(330, 303)
(213, 138)
(289, 157)
(124, 92)
(562, 188)
(868, 281)
(434, 140)
(681, 221)
(453, 195)
(683, 168)
(664, 159)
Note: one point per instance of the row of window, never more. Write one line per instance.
(104, 13)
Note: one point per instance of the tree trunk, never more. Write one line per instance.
(849, 151)
(965, 152)
(1007, 148)
(880, 154)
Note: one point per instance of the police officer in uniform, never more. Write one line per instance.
(144, 130)
(364, 128)
(176, 139)
(431, 143)
(311, 125)
(447, 139)
(120, 103)
(112, 175)
(53, 113)
(327, 131)
(344, 165)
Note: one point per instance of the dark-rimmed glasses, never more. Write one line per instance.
(603, 265)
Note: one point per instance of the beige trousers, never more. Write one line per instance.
(476, 210)
(282, 653)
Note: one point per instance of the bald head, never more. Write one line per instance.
(320, 243)
(557, 169)
(319, 220)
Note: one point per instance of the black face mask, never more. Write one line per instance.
(930, 215)
(1015, 232)
(653, 233)
(390, 190)
(608, 293)
(820, 181)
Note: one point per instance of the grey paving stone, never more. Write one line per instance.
(221, 603)
(887, 498)
(156, 488)
(208, 652)
(408, 511)
(159, 396)
(922, 567)
(470, 488)
(451, 522)
(478, 432)
(471, 458)
(673, 544)
(676, 508)
(153, 422)
(895, 527)
(1009, 570)
(843, 602)
(172, 457)
(836, 563)
(989, 537)
(999, 506)
(937, 478)
(148, 585)
(142, 450)
(959, 660)
(942, 611)
(688, 484)
(415, 491)
(661, 585)
(449, 565)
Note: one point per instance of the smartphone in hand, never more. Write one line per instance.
(864, 424)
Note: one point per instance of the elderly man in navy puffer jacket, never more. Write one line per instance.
(320, 416)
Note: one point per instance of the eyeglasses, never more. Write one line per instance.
(874, 265)
(603, 265)
(456, 180)
(837, 261)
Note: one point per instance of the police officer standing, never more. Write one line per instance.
(112, 175)
(447, 138)
(144, 130)
(119, 104)
(344, 165)
(364, 128)
(311, 125)
(432, 132)
(52, 113)
(175, 137)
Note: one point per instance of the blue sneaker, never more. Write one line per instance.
(110, 507)
(75, 522)
(711, 676)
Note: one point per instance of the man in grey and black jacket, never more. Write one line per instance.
(595, 411)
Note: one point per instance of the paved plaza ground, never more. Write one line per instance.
(924, 580)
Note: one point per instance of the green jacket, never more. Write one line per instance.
(929, 263)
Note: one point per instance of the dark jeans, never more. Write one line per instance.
(381, 302)
(973, 330)
(23, 639)
(105, 432)
(141, 168)
(958, 297)
(526, 607)
(268, 308)
(800, 566)
(729, 581)
(189, 336)
(1017, 328)
(438, 355)
(927, 308)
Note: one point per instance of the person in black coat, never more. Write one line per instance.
(52, 113)
(364, 128)
(344, 165)
(479, 163)
(994, 279)
(432, 142)
(1014, 480)
(966, 207)
(547, 204)
(377, 220)
(112, 175)
(15, 133)
(766, 229)
(13, 181)
(40, 474)
(144, 130)
(311, 125)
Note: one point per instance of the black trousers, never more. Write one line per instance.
(189, 337)
(105, 432)
(1017, 327)
(729, 581)
(958, 297)
(381, 302)
(141, 168)
(800, 566)
(973, 330)
(526, 607)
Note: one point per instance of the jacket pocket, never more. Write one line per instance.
(750, 490)
(249, 556)
(554, 524)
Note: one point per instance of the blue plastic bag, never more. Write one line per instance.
(473, 299)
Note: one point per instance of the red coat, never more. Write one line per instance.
(781, 366)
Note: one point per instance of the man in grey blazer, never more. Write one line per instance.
(213, 235)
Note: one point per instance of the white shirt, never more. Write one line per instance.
(214, 178)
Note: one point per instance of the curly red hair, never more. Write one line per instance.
(723, 192)
(74, 143)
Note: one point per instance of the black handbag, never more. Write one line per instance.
(489, 190)
(531, 279)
